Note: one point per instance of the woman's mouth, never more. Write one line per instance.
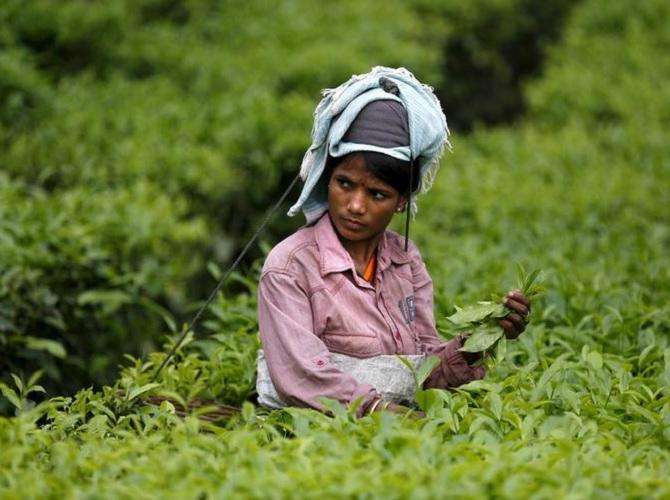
(352, 224)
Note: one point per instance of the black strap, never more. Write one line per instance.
(409, 202)
(223, 280)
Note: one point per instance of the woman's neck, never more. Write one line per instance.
(361, 251)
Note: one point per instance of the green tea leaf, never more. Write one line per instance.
(11, 395)
(495, 404)
(35, 388)
(407, 363)
(334, 407)
(526, 282)
(160, 311)
(426, 368)
(520, 276)
(501, 349)
(34, 378)
(248, 411)
(109, 300)
(476, 313)
(141, 390)
(51, 346)
(428, 400)
(481, 340)
(18, 383)
(595, 359)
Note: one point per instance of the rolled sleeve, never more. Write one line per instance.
(298, 360)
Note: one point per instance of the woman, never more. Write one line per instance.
(343, 293)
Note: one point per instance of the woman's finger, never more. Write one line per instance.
(511, 330)
(517, 320)
(518, 296)
(516, 306)
(514, 324)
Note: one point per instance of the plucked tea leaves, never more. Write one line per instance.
(482, 339)
(477, 313)
(480, 320)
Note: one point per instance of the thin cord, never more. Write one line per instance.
(409, 202)
(223, 280)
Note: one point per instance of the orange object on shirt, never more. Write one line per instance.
(369, 272)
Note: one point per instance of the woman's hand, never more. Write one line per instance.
(515, 322)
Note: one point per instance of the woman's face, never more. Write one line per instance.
(360, 205)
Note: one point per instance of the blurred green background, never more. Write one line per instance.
(142, 141)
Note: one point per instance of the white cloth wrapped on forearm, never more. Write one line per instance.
(387, 373)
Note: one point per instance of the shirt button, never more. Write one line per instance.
(320, 362)
(397, 335)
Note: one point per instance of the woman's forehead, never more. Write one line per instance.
(356, 169)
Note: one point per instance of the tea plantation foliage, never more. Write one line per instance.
(580, 406)
(143, 139)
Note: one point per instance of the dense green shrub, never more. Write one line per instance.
(491, 49)
(141, 139)
(202, 103)
(23, 90)
(80, 274)
(570, 190)
(580, 408)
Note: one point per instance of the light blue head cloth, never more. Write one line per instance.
(429, 134)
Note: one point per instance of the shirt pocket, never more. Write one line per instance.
(357, 344)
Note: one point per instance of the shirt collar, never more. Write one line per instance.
(335, 258)
(391, 249)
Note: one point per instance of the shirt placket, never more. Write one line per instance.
(382, 306)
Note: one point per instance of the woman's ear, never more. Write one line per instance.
(402, 203)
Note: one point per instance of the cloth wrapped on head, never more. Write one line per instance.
(427, 130)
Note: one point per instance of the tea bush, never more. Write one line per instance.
(78, 269)
(139, 141)
(491, 50)
(201, 103)
(579, 408)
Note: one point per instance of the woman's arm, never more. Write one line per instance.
(298, 361)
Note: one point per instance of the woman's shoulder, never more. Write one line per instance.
(295, 251)
(395, 246)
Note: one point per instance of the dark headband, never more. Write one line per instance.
(382, 123)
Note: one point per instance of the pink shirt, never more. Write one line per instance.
(311, 302)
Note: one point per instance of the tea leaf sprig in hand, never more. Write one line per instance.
(481, 319)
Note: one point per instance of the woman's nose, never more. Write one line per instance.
(356, 203)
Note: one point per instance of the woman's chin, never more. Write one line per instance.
(351, 235)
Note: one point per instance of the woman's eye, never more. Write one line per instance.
(377, 195)
(343, 183)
